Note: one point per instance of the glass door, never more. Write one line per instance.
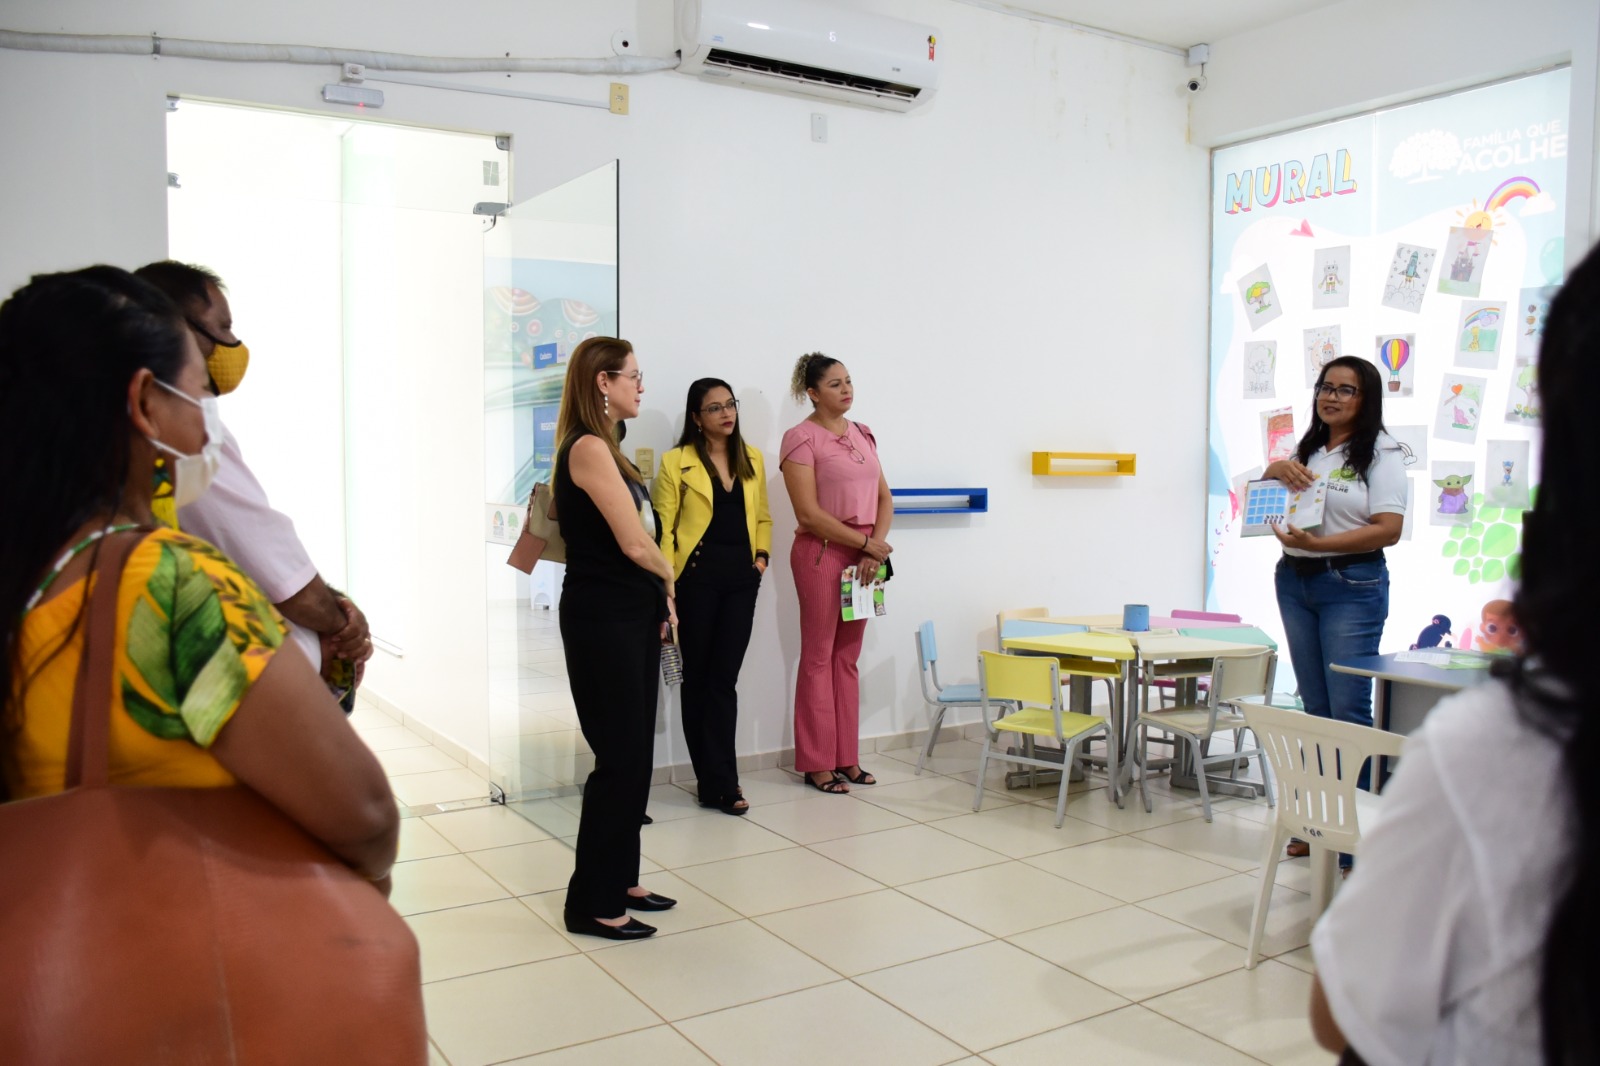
(549, 282)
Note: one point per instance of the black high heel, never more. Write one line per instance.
(727, 804)
(632, 929)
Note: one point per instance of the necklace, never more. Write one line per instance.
(72, 553)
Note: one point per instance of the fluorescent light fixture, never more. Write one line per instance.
(359, 95)
(758, 25)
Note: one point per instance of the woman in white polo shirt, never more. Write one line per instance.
(1332, 583)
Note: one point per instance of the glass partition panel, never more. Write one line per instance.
(549, 281)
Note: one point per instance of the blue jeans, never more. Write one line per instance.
(1333, 615)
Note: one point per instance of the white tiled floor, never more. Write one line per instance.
(891, 925)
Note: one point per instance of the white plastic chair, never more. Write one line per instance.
(1028, 690)
(938, 698)
(1233, 677)
(1317, 762)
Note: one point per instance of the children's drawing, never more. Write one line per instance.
(1505, 475)
(1533, 306)
(1260, 297)
(1277, 434)
(1459, 408)
(1466, 253)
(1260, 370)
(1478, 335)
(1330, 278)
(1322, 346)
(1522, 404)
(1433, 634)
(1452, 488)
(1396, 352)
(1407, 281)
(1413, 442)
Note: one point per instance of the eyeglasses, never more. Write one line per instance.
(717, 408)
(636, 375)
(1343, 392)
(854, 452)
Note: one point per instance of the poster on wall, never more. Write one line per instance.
(1430, 235)
(1478, 335)
(1261, 299)
(1407, 282)
(1260, 370)
(1322, 345)
(1330, 284)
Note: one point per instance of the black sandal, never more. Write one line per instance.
(862, 776)
(728, 804)
(832, 786)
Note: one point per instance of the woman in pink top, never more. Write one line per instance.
(830, 467)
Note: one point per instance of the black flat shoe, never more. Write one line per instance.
(648, 820)
(651, 902)
(632, 929)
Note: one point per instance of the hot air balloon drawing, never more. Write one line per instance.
(1393, 353)
(1480, 329)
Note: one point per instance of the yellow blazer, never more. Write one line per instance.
(683, 477)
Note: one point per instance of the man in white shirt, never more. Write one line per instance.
(234, 513)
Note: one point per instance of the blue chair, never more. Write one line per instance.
(938, 698)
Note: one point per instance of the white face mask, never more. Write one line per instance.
(192, 474)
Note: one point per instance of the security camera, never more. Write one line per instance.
(1195, 84)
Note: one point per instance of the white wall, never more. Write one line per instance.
(1360, 54)
(1019, 266)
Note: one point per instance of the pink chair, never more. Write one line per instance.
(1205, 616)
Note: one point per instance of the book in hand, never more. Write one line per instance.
(1269, 503)
(860, 600)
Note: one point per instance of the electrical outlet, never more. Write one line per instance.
(819, 127)
(645, 460)
(619, 98)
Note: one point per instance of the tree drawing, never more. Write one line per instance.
(1424, 152)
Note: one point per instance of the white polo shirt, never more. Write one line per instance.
(1352, 502)
(1431, 951)
(234, 515)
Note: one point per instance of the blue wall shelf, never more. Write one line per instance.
(940, 501)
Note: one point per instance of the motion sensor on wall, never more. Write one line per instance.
(1195, 84)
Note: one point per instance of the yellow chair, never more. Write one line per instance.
(1031, 685)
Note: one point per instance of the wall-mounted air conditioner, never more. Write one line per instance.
(810, 48)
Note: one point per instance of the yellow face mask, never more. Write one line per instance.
(227, 364)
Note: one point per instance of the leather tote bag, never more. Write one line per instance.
(186, 925)
(541, 532)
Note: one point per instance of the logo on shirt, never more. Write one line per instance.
(1341, 479)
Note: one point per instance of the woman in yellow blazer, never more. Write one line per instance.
(711, 497)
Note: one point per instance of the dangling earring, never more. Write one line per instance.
(606, 405)
(162, 503)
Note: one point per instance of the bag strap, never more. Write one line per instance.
(89, 738)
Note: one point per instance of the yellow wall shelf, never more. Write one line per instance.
(1085, 464)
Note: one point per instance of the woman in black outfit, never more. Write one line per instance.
(617, 595)
(711, 498)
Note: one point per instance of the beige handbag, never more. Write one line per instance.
(541, 532)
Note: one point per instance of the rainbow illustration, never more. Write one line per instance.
(1483, 317)
(1511, 189)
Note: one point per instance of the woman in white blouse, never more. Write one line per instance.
(1469, 932)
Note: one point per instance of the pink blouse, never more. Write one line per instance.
(846, 488)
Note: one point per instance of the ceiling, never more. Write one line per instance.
(1178, 23)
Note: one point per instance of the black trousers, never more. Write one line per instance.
(612, 642)
(716, 609)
